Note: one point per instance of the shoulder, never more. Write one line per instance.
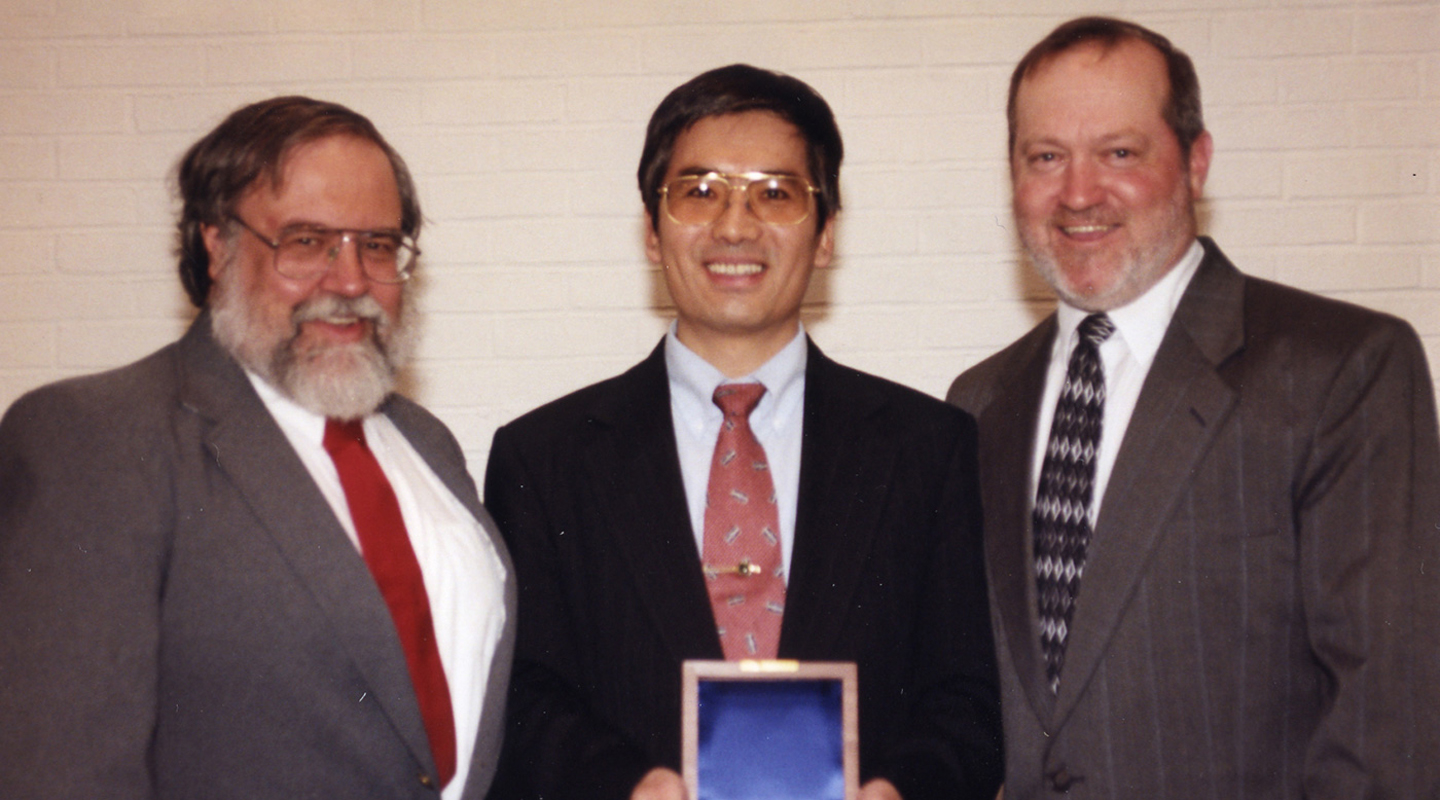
(975, 388)
(1315, 349)
(1273, 310)
(425, 431)
(1231, 315)
(640, 392)
(121, 403)
(112, 434)
(834, 389)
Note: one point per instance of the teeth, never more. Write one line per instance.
(1085, 228)
(734, 269)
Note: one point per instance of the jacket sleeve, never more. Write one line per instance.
(1367, 509)
(83, 538)
(555, 748)
(951, 743)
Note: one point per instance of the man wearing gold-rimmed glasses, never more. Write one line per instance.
(739, 495)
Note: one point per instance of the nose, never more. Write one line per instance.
(346, 276)
(737, 223)
(1081, 188)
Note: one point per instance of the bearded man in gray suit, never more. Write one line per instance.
(243, 567)
(1213, 574)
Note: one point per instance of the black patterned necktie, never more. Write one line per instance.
(1067, 482)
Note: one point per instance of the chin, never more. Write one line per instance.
(344, 382)
(1087, 286)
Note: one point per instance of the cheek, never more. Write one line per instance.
(675, 244)
(272, 296)
(1133, 192)
(801, 248)
(1147, 190)
(1032, 201)
(390, 296)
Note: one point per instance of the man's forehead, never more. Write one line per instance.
(1129, 78)
(712, 141)
(276, 173)
(274, 180)
(1135, 61)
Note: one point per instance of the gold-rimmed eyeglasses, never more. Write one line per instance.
(305, 252)
(776, 199)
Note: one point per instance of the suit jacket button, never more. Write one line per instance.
(1061, 780)
(427, 781)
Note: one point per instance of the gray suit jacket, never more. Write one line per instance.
(1258, 616)
(181, 615)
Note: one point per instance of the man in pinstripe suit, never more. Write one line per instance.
(1248, 605)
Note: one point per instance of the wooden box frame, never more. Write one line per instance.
(696, 672)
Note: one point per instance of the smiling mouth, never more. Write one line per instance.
(735, 269)
(1085, 230)
(337, 322)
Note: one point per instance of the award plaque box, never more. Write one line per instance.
(770, 730)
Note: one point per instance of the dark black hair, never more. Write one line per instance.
(737, 89)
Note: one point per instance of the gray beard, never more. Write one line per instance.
(340, 381)
(1146, 263)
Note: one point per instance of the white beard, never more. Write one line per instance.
(345, 381)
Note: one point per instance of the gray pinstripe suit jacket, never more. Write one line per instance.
(1259, 615)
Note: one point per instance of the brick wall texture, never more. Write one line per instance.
(522, 121)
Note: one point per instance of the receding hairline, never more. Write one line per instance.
(273, 176)
(1103, 50)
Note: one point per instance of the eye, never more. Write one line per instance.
(774, 191)
(698, 189)
(381, 244)
(304, 238)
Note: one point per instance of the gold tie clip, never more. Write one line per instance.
(744, 569)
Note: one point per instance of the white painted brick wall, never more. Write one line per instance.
(523, 122)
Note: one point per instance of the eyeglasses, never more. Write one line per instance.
(701, 199)
(305, 252)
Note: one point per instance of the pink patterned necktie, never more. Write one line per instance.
(387, 551)
(742, 533)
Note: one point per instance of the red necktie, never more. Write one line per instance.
(742, 533)
(391, 559)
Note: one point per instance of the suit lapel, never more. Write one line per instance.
(1007, 436)
(633, 469)
(845, 468)
(249, 448)
(434, 443)
(429, 443)
(1182, 405)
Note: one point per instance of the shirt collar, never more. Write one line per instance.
(693, 381)
(1142, 322)
(287, 412)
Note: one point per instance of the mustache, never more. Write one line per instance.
(331, 307)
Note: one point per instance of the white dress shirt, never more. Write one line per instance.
(1125, 358)
(777, 422)
(463, 574)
